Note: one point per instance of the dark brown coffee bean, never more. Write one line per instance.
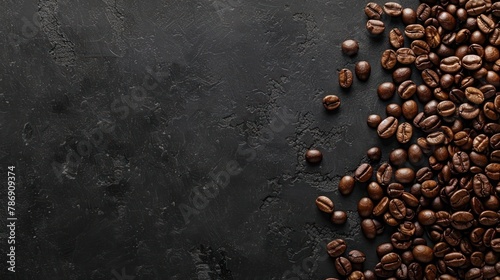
(363, 173)
(365, 207)
(356, 275)
(426, 217)
(475, 7)
(409, 16)
(346, 185)
(373, 10)
(397, 208)
(415, 31)
(400, 241)
(481, 185)
(381, 207)
(472, 62)
(374, 153)
(343, 266)
(375, 26)
(390, 261)
(339, 217)
(356, 256)
(382, 273)
(474, 95)
(462, 220)
(488, 218)
(423, 12)
(375, 191)
(452, 237)
(446, 108)
(314, 156)
(398, 157)
(405, 56)
(468, 111)
(423, 254)
(409, 109)
(350, 47)
(387, 127)
(447, 21)
(450, 64)
(432, 36)
(393, 9)
(388, 59)
(435, 138)
(384, 174)
(369, 228)
(480, 143)
(404, 175)
(401, 74)
(420, 47)
(396, 38)
(395, 190)
(373, 120)
(345, 78)
(407, 89)
(386, 90)
(430, 123)
(430, 78)
(336, 247)
(384, 249)
(325, 204)
(393, 110)
(404, 133)
(459, 199)
(494, 37)
(461, 163)
(362, 70)
(455, 259)
(331, 102)
(492, 170)
(485, 24)
(430, 189)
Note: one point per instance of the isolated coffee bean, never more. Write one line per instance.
(374, 153)
(336, 247)
(387, 127)
(350, 47)
(325, 204)
(404, 175)
(339, 217)
(331, 102)
(346, 185)
(393, 110)
(363, 173)
(375, 27)
(373, 10)
(313, 156)
(345, 78)
(408, 16)
(362, 70)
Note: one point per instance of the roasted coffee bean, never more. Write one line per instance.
(356, 275)
(409, 109)
(375, 26)
(369, 228)
(485, 24)
(474, 95)
(409, 16)
(375, 191)
(345, 78)
(446, 20)
(336, 247)
(365, 207)
(381, 207)
(373, 10)
(405, 56)
(420, 47)
(382, 273)
(461, 163)
(374, 153)
(468, 111)
(446, 108)
(398, 157)
(390, 261)
(356, 256)
(459, 199)
(393, 9)
(404, 175)
(343, 266)
(387, 127)
(481, 185)
(346, 184)
(430, 123)
(363, 173)
(350, 47)
(475, 7)
(395, 190)
(397, 208)
(432, 36)
(396, 38)
(455, 259)
(462, 220)
(325, 204)
(488, 218)
(407, 89)
(393, 110)
(430, 78)
(388, 59)
(339, 217)
(331, 102)
(384, 249)
(386, 90)
(451, 64)
(401, 74)
(384, 174)
(400, 241)
(426, 217)
(472, 62)
(423, 12)
(415, 31)
(492, 171)
(362, 70)
(314, 156)
(373, 120)
(404, 132)
(423, 253)
(430, 189)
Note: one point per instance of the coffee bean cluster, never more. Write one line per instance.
(438, 193)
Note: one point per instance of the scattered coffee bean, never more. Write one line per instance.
(314, 156)
(331, 102)
(325, 204)
(346, 185)
(362, 70)
(336, 247)
(350, 47)
(339, 217)
(345, 78)
(375, 26)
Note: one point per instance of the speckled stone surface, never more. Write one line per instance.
(166, 139)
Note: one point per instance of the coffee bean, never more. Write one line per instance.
(346, 185)
(388, 59)
(446, 108)
(374, 153)
(461, 163)
(339, 217)
(446, 20)
(373, 120)
(423, 253)
(409, 109)
(426, 217)
(356, 275)
(405, 56)
(362, 70)
(393, 110)
(331, 102)
(390, 261)
(369, 228)
(345, 78)
(454, 259)
(401, 74)
(459, 199)
(430, 78)
(395, 190)
(475, 7)
(363, 173)
(373, 10)
(336, 247)
(398, 157)
(472, 62)
(409, 16)
(451, 64)
(414, 154)
(381, 207)
(404, 132)
(384, 174)
(314, 156)
(325, 204)
(474, 95)
(356, 256)
(343, 266)
(407, 89)
(365, 207)
(423, 12)
(393, 9)
(492, 170)
(386, 90)
(375, 191)
(488, 218)
(375, 26)
(485, 24)
(404, 175)
(415, 31)
(396, 38)
(387, 127)
(462, 220)
(350, 47)
(432, 36)
(468, 111)
(397, 208)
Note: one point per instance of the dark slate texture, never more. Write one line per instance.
(121, 116)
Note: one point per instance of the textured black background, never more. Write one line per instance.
(116, 113)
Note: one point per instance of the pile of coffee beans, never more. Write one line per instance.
(438, 195)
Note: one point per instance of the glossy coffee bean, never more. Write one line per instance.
(363, 173)
(345, 78)
(362, 70)
(313, 156)
(350, 47)
(373, 10)
(336, 247)
(346, 185)
(331, 102)
(325, 204)
(339, 217)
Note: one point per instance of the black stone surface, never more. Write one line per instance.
(120, 115)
